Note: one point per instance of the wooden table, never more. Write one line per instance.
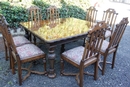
(57, 32)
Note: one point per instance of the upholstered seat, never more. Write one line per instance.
(74, 54)
(28, 51)
(20, 40)
(108, 33)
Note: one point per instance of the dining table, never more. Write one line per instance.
(57, 32)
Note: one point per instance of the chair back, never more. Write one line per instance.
(118, 32)
(91, 15)
(53, 16)
(6, 33)
(34, 13)
(95, 38)
(3, 22)
(109, 16)
(52, 13)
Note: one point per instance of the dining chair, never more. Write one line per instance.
(53, 15)
(18, 39)
(35, 16)
(82, 57)
(109, 16)
(91, 16)
(26, 53)
(111, 46)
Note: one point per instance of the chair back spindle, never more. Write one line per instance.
(53, 15)
(34, 15)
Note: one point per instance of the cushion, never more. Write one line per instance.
(104, 46)
(74, 54)
(28, 50)
(107, 34)
(20, 40)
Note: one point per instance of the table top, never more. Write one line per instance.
(58, 29)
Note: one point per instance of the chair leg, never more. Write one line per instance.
(96, 71)
(44, 62)
(104, 64)
(10, 59)
(19, 73)
(113, 60)
(12, 64)
(81, 74)
(62, 66)
(6, 53)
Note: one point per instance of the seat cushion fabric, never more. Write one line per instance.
(107, 34)
(104, 46)
(28, 50)
(20, 40)
(74, 54)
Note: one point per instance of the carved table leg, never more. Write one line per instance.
(51, 57)
(62, 48)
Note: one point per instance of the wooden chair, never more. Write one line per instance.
(18, 39)
(109, 16)
(35, 16)
(91, 16)
(53, 15)
(112, 46)
(23, 54)
(81, 57)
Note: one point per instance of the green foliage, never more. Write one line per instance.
(68, 8)
(13, 14)
(65, 11)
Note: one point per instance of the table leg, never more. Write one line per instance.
(62, 48)
(51, 57)
(26, 34)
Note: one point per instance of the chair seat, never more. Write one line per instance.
(108, 33)
(28, 51)
(74, 54)
(104, 46)
(20, 40)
